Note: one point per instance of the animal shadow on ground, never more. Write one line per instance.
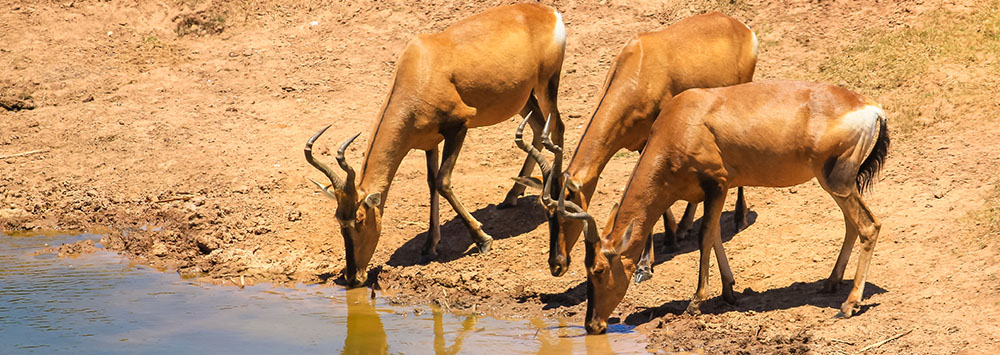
(455, 240)
(688, 243)
(791, 296)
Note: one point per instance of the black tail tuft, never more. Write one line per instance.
(873, 163)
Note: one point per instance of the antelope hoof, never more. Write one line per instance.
(484, 243)
(729, 296)
(829, 287)
(509, 202)
(740, 222)
(642, 274)
(428, 255)
(694, 308)
(848, 310)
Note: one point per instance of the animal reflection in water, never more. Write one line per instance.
(366, 334)
(565, 337)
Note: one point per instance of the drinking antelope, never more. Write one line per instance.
(708, 50)
(776, 134)
(479, 71)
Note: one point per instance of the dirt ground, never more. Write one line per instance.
(176, 128)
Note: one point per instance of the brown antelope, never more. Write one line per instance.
(774, 134)
(479, 71)
(708, 50)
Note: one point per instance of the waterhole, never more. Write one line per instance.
(101, 303)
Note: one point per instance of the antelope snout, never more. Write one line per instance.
(558, 265)
(596, 327)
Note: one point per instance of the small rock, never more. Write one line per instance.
(294, 215)
(159, 249)
(467, 276)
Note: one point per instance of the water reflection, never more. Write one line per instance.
(468, 325)
(100, 303)
(365, 332)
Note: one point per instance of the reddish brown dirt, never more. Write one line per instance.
(187, 151)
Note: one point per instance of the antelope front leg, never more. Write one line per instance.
(644, 269)
(452, 146)
(740, 218)
(434, 226)
(670, 232)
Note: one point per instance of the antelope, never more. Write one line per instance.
(708, 50)
(770, 134)
(479, 71)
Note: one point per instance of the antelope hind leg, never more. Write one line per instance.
(670, 244)
(452, 146)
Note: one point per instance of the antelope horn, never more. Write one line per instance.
(543, 165)
(545, 137)
(336, 182)
(551, 184)
(349, 181)
(589, 225)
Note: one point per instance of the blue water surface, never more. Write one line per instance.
(100, 303)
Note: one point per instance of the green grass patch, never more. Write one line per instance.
(625, 154)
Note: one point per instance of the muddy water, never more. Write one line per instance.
(100, 303)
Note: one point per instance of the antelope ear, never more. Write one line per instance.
(627, 237)
(325, 188)
(616, 250)
(373, 200)
(534, 182)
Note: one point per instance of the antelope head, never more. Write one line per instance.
(608, 275)
(563, 232)
(359, 214)
(558, 250)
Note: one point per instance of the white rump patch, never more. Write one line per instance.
(559, 35)
(866, 122)
(754, 36)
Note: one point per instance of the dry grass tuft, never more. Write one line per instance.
(922, 68)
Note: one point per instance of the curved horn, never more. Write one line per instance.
(551, 184)
(349, 181)
(589, 225)
(543, 165)
(335, 181)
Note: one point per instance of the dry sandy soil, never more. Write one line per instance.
(176, 128)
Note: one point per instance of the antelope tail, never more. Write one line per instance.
(873, 163)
